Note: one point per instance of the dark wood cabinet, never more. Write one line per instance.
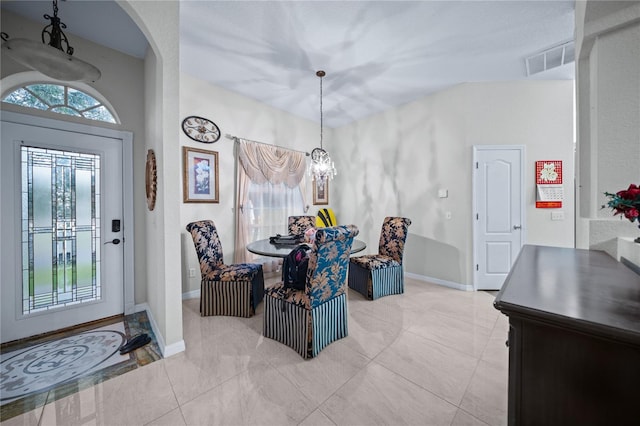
(574, 338)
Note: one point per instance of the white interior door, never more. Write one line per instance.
(499, 213)
(62, 253)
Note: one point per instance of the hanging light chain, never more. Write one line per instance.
(321, 166)
(321, 74)
(54, 31)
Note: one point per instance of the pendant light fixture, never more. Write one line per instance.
(53, 57)
(321, 166)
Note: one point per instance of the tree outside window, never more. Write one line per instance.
(60, 99)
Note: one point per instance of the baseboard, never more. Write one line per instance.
(445, 283)
(167, 351)
(174, 349)
(193, 294)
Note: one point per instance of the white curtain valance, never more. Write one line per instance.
(270, 163)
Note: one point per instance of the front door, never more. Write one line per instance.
(498, 214)
(62, 229)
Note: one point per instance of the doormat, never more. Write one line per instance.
(33, 375)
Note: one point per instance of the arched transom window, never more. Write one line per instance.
(61, 99)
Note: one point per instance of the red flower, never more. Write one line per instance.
(631, 193)
(625, 202)
(631, 214)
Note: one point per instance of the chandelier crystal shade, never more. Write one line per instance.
(52, 58)
(321, 166)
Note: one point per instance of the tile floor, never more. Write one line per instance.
(433, 356)
(114, 366)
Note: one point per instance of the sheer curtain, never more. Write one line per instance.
(270, 188)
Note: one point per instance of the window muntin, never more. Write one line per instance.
(60, 99)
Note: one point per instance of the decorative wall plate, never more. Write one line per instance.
(200, 129)
(151, 179)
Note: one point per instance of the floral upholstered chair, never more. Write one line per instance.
(308, 320)
(233, 290)
(377, 275)
(299, 224)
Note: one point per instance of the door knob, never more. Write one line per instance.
(115, 241)
(517, 226)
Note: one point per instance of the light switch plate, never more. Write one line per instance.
(443, 193)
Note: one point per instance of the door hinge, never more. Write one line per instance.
(477, 216)
(477, 267)
(476, 164)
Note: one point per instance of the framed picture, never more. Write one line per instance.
(199, 175)
(320, 191)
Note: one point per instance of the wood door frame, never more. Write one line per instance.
(474, 210)
(127, 181)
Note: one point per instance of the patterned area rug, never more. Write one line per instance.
(42, 367)
(46, 370)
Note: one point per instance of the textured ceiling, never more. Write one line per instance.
(377, 55)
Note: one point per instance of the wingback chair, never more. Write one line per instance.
(299, 224)
(308, 320)
(233, 290)
(377, 275)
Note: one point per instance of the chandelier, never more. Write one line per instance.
(51, 58)
(321, 166)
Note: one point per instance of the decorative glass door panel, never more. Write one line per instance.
(62, 264)
(60, 228)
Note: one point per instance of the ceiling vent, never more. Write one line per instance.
(551, 58)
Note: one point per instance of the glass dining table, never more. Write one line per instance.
(266, 248)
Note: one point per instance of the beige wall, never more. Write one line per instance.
(243, 117)
(393, 163)
(608, 81)
(158, 21)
